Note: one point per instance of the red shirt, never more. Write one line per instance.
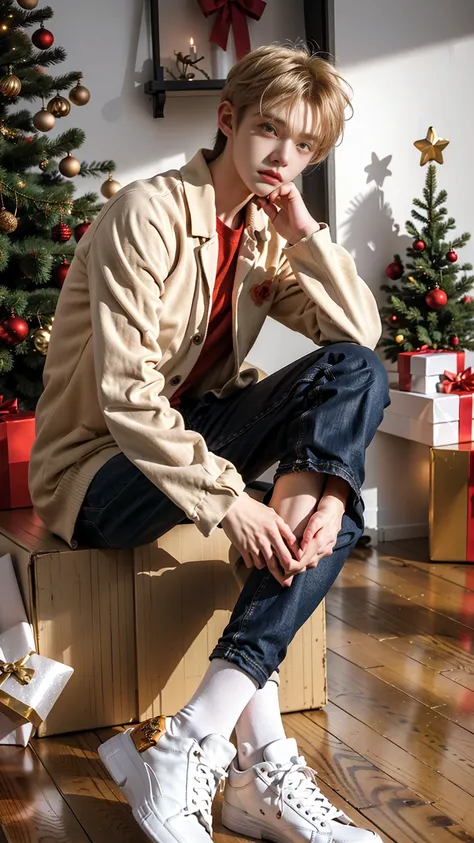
(219, 336)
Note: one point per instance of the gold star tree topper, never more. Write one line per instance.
(431, 147)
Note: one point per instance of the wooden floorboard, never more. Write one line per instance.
(394, 747)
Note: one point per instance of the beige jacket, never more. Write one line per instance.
(129, 328)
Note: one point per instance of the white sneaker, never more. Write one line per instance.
(279, 800)
(169, 782)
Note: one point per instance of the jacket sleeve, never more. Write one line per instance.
(320, 295)
(128, 261)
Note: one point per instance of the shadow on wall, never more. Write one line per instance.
(387, 28)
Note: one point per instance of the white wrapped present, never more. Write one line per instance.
(29, 684)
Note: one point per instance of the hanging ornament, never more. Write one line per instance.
(43, 164)
(454, 340)
(42, 38)
(41, 338)
(10, 85)
(436, 298)
(467, 299)
(110, 187)
(392, 319)
(418, 246)
(399, 338)
(27, 4)
(451, 256)
(79, 95)
(43, 120)
(69, 166)
(14, 330)
(59, 106)
(60, 272)
(431, 147)
(8, 221)
(61, 233)
(80, 230)
(394, 270)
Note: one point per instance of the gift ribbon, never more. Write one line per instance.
(461, 384)
(404, 364)
(232, 13)
(17, 670)
(10, 405)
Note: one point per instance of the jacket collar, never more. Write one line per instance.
(199, 190)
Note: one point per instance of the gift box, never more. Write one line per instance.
(30, 684)
(451, 513)
(420, 371)
(17, 433)
(441, 419)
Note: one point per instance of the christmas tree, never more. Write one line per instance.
(38, 213)
(432, 308)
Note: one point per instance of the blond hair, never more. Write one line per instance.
(276, 76)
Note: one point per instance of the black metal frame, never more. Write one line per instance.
(318, 183)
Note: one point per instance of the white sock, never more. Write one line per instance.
(224, 692)
(259, 724)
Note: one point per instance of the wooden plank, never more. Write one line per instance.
(31, 808)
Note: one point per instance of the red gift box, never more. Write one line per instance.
(17, 434)
(404, 364)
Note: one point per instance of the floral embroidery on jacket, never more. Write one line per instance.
(261, 292)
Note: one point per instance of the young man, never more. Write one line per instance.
(147, 420)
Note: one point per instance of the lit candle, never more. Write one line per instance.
(192, 49)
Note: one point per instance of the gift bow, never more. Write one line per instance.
(10, 405)
(22, 674)
(462, 382)
(232, 13)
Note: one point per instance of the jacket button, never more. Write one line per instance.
(197, 339)
(176, 380)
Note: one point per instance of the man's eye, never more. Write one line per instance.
(268, 127)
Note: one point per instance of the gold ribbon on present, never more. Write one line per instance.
(17, 669)
(462, 382)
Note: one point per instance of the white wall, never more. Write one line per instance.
(410, 63)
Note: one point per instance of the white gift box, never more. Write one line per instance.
(426, 385)
(29, 684)
(430, 419)
(426, 370)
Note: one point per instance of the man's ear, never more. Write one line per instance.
(225, 118)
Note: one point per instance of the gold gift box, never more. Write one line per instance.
(451, 516)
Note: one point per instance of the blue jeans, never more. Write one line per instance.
(317, 414)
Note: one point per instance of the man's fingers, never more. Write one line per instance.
(277, 571)
(289, 537)
(247, 559)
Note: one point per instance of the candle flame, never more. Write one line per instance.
(191, 42)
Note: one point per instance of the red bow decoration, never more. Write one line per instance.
(232, 13)
(463, 382)
(10, 405)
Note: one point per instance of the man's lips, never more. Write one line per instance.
(271, 174)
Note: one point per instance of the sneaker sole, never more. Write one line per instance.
(117, 756)
(237, 820)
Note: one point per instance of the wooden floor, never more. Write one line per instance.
(394, 747)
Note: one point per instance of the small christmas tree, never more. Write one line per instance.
(432, 308)
(37, 209)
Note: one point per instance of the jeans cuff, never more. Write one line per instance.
(246, 664)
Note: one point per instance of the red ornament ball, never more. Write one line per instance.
(467, 299)
(392, 319)
(42, 38)
(60, 272)
(451, 256)
(436, 299)
(394, 270)
(418, 245)
(80, 230)
(454, 340)
(61, 233)
(14, 330)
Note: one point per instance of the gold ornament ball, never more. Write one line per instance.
(399, 338)
(27, 4)
(10, 85)
(21, 184)
(59, 106)
(41, 338)
(69, 166)
(43, 120)
(8, 222)
(43, 164)
(79, 95)
(110, 187)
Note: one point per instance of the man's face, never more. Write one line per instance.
(280, 142)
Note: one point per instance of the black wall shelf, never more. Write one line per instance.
(159, 87)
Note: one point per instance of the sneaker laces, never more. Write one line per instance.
(299, 780)
(207, 778)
